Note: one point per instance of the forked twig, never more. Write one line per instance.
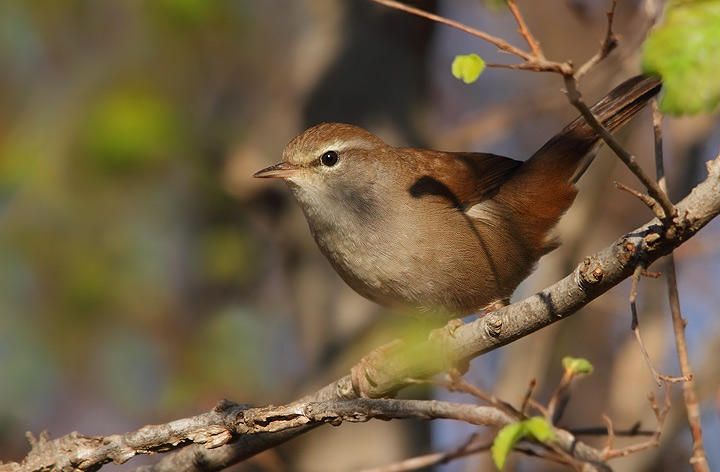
(635, 326)
(609, 43)
(652, 442)
(646, 199)
(610, 434)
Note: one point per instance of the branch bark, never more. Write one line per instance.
(232, 433)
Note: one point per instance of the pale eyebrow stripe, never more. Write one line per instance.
(341, 144)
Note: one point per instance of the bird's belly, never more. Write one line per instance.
(418, 268)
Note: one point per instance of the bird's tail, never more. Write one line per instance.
(571, 150)
(544, 186)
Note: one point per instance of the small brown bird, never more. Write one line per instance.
(447, 232)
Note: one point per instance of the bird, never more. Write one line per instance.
(441, 234)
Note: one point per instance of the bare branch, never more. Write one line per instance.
(646, 199)
(532, 60)
(608, 44)
(652, 442)
(698, 459)
(635, 326)
(458, 384)
(228, 421)
(498, 42)
(525, 31)
(527, 396)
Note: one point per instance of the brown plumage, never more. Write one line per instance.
(444, 232)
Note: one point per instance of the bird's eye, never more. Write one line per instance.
(329, 158)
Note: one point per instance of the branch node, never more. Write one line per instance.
(493, 324)
(591, 271)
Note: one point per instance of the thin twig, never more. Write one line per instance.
(610, 434)
(606, 47)
(527, 396)
(557, 402)
(652, 442)
(525, 31)
(538, 407)
(500, 43)
(634, 430)
(646, 199)
(531, 62)
(698, 459)
(635, 326)
(469, 447)
(534, 66)
(458, 384)
(628, 159)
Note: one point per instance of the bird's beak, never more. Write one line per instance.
(282, 170)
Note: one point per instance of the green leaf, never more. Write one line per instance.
(685, 52)
(577, 365)
(539, 428)
(505, 441)
(536, 427)
(467, 67)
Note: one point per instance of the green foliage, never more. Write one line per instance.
(577, 365)
(467, 67)
(118, 242)
(19, 160)
(187, 11)
(536, 427)
(685, 52)
(228, 256)
(225, 355)
(128, 129)
(504, 442)
(495, 5)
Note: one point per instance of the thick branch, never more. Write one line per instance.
(229, 420)
(593, 277)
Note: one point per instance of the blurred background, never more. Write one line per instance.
(144, 275)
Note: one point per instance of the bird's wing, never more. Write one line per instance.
(461, 179)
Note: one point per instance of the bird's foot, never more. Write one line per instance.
(496, 305)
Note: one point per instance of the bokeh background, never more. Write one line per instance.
(144, 275)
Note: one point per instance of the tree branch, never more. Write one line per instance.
(699, 458)
(498, 42)
(254, 430)
(229, 420)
